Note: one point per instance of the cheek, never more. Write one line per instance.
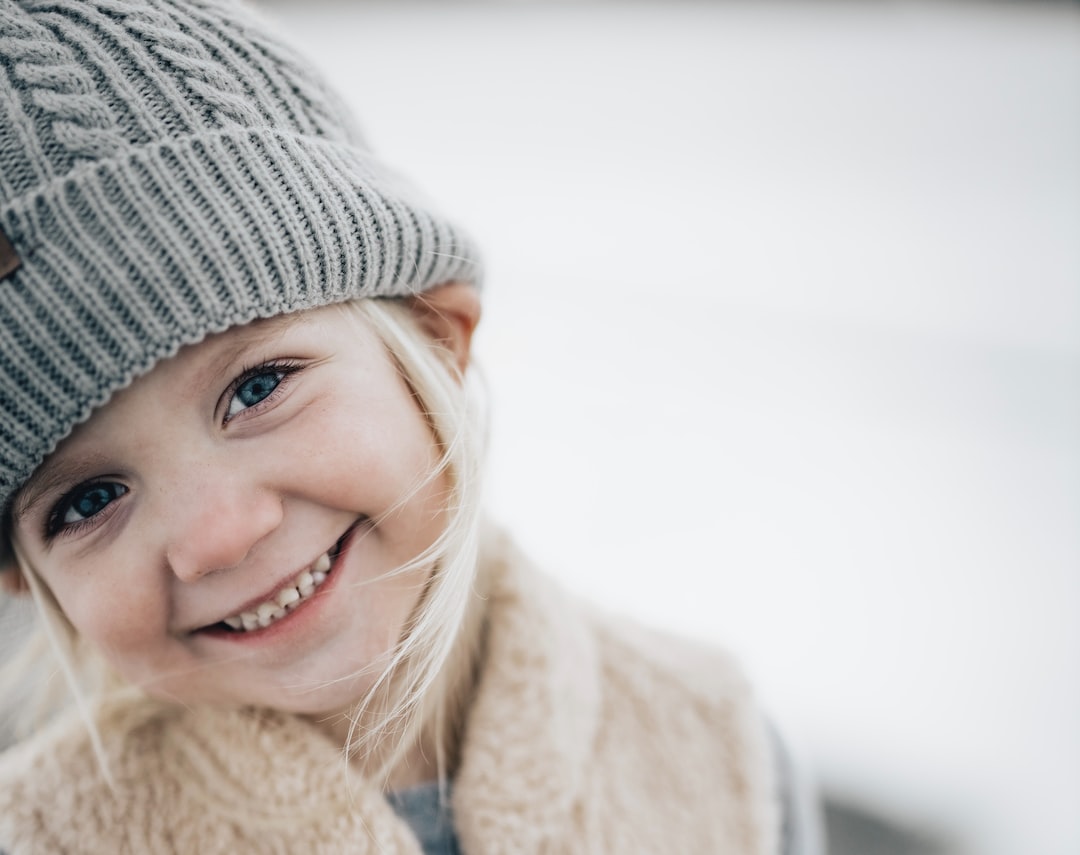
(377, 452)
(117, 617)
(388, 605)
(127, 626)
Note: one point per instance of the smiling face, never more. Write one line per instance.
(224, 529)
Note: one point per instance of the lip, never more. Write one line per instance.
(338, 552)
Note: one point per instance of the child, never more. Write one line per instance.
(239, 471)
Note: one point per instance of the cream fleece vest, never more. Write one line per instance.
(586, 736)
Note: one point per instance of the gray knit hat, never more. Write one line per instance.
(169, 170)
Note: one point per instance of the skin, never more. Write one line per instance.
(214, 479)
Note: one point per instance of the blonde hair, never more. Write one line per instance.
(420, 690)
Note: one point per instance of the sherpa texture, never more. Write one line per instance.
(586, 736)
(168, 170)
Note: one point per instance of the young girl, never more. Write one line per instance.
(239, 473)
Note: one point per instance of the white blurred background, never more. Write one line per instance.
(783, 342)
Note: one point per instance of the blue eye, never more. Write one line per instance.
(85, 502)
(254, 390)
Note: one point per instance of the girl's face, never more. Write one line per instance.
(222, 530)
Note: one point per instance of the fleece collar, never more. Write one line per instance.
(535, 717)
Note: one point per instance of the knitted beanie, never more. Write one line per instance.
(168, 170)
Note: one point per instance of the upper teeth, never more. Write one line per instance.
(285, 600)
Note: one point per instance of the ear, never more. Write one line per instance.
(449, 314)
(12, 580)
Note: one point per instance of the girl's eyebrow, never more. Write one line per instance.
(260, 332)
(49, 476)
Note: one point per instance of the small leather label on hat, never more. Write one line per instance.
(9, 258)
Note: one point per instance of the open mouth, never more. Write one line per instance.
(292, 595)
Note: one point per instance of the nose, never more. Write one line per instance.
(217, 524)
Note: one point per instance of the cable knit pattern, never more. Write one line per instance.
(169, 170)
(587, 735)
